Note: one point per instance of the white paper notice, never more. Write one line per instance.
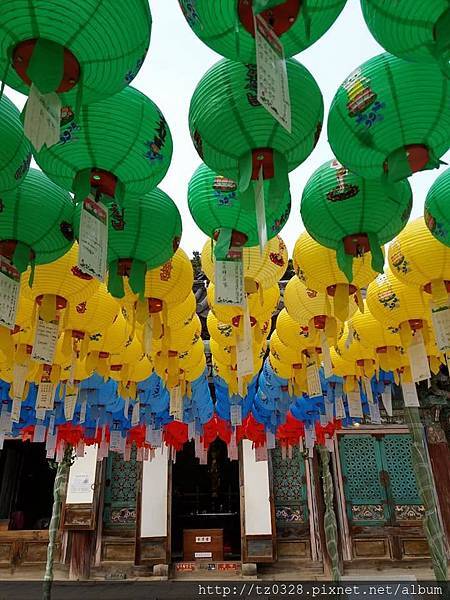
(386, 397)
(135, 414)
(9, 293)
(354, 405)
(46, 396)
(273, 86)
(236, 414)
(418, 359)
(244, 349)
(229, 282)
(313, 380)
(260, 208)
(80, 484)
(70, 402)
(93, 239)
(261, 453)
(340, 408)
(19, 378)
(42, 118)
(326, 356)
(410, 396)
(441, 326)
(45, 340)
(368, 390)
(15, 410)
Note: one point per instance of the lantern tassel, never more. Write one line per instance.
(137, 277)
(245, 171)
(223, 243)
(377, 253)
(341, 301)
(344, 261)
(47, 310)
(46, 67)
(21, 256)
(115, 281)
(439, 292)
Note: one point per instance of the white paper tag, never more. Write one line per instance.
(229, 282)
(375, 416)
(45, 341)
(9, 293)
(368, 389)
(148, 336)
(39, 433)
(261, 453)
(326, 356)
(19, 379)
(313, 380)
(340, 408)
(115, 441)
(83, 411)
(310, 437)
(70, 402)
(441, 326)
(260, 208)
(244, 350)
(46, 396)
(386, 398)
(93, 239)
(273, 86)
(329, 445)
(42, 118)
(135, 415)
(236, 414)
(270, 440)
(354, 405)
(176, 403)
(418, 359)
(15, 410)
(232, 448)
(410, 396)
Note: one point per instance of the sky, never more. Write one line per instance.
(176, 62)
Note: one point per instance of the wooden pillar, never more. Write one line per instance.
(438, 451)
(81, 543)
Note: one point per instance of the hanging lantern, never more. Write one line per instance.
(54, 50)
(352, 350)
(15, 150)
(103, 345)
(143, 233)
(288, 363)
(261, 271)
(215, 204)
(317, 268)
(58, 285)
(437, 214)
(412, 31)
(390, 119)
(88, 318)
(227, 26)
(385, 340)
(250, 139)
(345, 369)
(393, 303)
(119, 146)
(353, 216)
(293, 333)
(416, 258)
(36, 222)
(226, 354)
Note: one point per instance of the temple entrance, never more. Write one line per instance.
(205, 497)
(26, 486)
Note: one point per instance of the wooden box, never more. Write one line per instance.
(203, 544)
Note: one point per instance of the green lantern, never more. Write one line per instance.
(36, 222)
(227, 26)
(215, 204)
(121, 145)
(415, 30)
(84, 51)
(143, 234)
(352, 215)
(437, 208)
(236, 136)
(391, 118)
(15, 149)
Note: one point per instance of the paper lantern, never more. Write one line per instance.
(418, 259)
(317, 268)
(121, 145)
(58, 285)
(352, 215)
(215, 203)
(352, 350)
(226, 354)
(412, 30)
(85, 55)
(261, 271)
(15, 150)
(236, 136)
(345, 369)
(112, 341)
(437, 212)
(36, 222)
(89, 318)
(394, 303)
(260, 306)
(390, 118)
(143, 233)
(227, 26)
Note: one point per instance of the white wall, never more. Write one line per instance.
(256, 493)
(154, 495)
(82, 478)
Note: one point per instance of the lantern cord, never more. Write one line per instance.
(46, 67)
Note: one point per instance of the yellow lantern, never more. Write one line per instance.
(397, 305)
(345, 369)
(176, 368)
(418, 259)
(294, 334)
(352, 350)
(88, 318)
(288, 364)
(227, 355)
(23, 320)
(236, 385)
(58, 285)
(317, 268)
(261, 271)
(109, 342)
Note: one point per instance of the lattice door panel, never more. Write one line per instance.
(121, 488)
(290, 494)
(361, 467)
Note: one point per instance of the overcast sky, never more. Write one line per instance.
(178, 59)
